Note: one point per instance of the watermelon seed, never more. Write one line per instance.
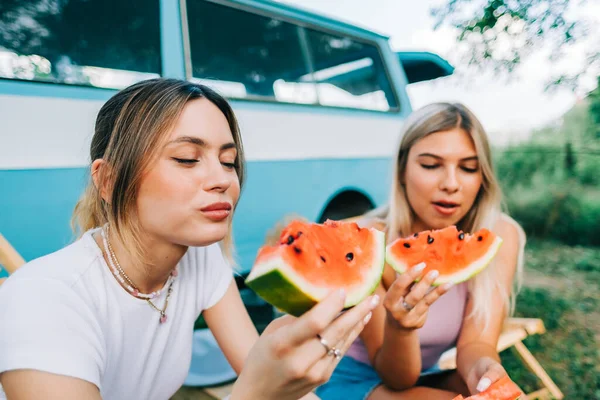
(290, 239)
(323, 258)
(461, 236)
(480, 238)
(297, 250)
(429, 239)
(298, 235)
(416, 234)
(407, 245)
(349, 256)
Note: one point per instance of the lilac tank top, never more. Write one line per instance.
(439, 333)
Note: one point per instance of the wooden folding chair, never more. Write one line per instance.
(10, 259)
(515, 330)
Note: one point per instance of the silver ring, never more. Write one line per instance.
(331, 351)
(407, 306)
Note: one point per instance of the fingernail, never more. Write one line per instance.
(367, 318)
(375, 300)
(448, 285)
(419, 267)
(342, 293)
(483, 384)
(434, 274)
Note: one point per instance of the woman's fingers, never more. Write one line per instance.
(313, 322)
(279, 323)
(313, 357)
(493, 373)
(418, 291)
(326, 365)
(400, 286)
(423, 305)
(347, 325)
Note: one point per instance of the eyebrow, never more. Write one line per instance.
(472, 158)
(202, 143)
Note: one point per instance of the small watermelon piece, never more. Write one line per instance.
(311, 260)
(503, 389)
(458, 256)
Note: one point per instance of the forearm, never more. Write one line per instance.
(398, 361)
(469, 354)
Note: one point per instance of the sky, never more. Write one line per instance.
(508, 110)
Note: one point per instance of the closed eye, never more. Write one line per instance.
(186, 161)
(469, 170)
(228, 165)
(428, 166)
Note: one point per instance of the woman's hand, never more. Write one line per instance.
(406, 303)
(483, 373)
(295, 355)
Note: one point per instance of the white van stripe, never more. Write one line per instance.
(43, 132)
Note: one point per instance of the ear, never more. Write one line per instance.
(101, 178)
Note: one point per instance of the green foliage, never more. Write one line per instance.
(566, 212)
(565, 297)
(499, 35)
(552, 182)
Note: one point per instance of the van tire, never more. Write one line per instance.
(347, 204)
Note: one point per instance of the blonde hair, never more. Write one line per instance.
(485, 212)
(129, 131)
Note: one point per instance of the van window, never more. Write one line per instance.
(247, 56)
(349, 73)
(105, 43)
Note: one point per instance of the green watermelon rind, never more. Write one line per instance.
(273, 280)
(463, 275)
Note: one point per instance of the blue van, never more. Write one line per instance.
(320, 104)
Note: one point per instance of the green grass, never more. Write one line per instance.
(561, 286)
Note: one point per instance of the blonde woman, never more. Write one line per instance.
(111, 316)
(443, 176)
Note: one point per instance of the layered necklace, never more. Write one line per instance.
(126, 282)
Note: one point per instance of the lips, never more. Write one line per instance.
(217, 211)
(445, 208)
(223, 206)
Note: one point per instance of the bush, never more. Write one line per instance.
(568, 351)
(567, 212)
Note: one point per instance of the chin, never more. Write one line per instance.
(441, 223)
(205, 236)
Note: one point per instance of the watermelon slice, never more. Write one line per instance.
(503, 389)
(458, 256)
(310, 260)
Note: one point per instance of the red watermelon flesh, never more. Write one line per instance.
(456, 255)
(311, 260)
(503, 389)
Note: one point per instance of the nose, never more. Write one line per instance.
(450, 182)
(218, 178)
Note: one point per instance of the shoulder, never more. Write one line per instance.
(67, 265)
(372, 222)
(67, 282)
(510, 231)
(510, 255)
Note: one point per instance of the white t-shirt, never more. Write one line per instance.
(65, 313)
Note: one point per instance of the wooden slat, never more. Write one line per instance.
(531, 325)
(219, 392)
(537, 369)
(9, 258)
(508, 338)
